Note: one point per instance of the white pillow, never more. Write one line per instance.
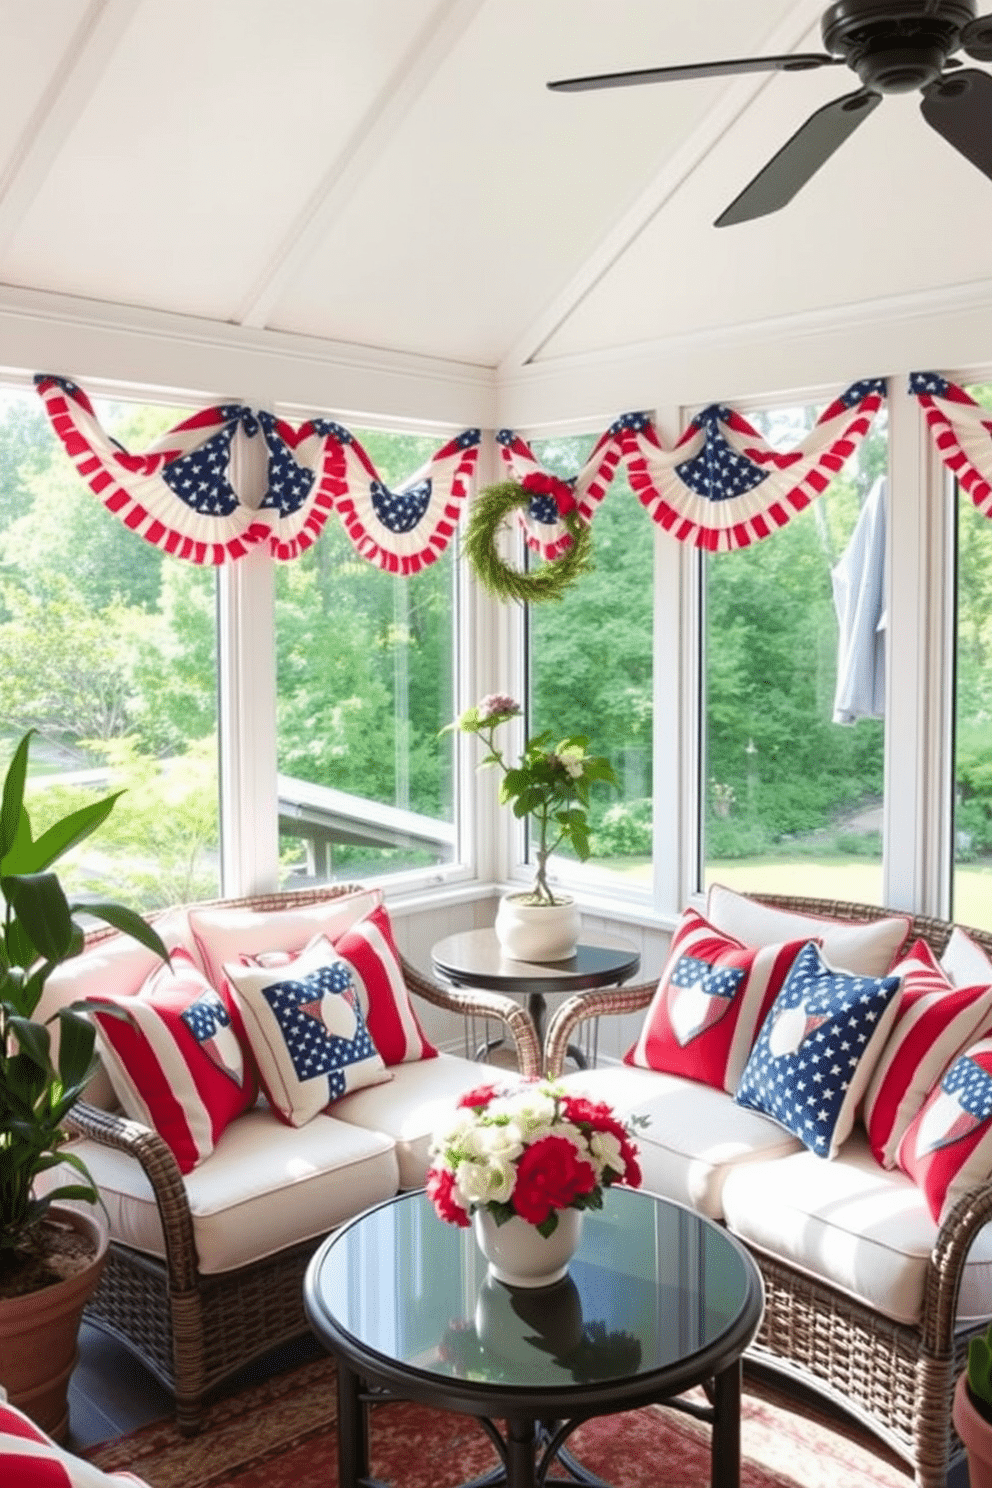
(227, 933)
(868, 948)
(965, 962)
(30, 1459)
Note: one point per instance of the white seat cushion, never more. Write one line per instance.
(864, 1229)
(696, 1135)
(410, 1107)
(265, 1186)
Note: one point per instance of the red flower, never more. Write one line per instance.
(440, 1190)
(550, 1174)
(478, 1098)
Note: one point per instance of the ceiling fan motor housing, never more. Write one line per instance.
(896, 46)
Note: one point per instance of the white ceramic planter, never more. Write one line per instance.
(537, 932)
(519, 1255)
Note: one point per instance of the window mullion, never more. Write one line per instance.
(247, 714)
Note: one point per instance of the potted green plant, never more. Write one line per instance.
(972, 1411)
(51, 1255)
(551, 784)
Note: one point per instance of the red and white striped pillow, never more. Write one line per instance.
(175, 1054)
(947, 1148)
(30, 1459)
(711, 1001)
(934, 1022)
(370, 952)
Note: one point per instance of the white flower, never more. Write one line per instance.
(572, 757)
(502, 1142)
(454, 1131)
(606, 1152)
(531, 1110)
(481, 1182)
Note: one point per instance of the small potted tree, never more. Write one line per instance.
(51, 1255)
(972, 1411)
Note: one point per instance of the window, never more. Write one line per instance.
(972, 877)
(365, 683)
(590, 670)
(107, 650)
(791, 801)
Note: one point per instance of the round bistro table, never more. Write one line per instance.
(657, 1301)
(474, 958)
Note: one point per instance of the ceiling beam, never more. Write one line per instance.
(733, 101)
(59, 109)
(446, 24)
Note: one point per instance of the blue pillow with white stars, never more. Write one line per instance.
(817, 1048)
(306, 1029)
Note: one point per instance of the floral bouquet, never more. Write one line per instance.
(527, 1149)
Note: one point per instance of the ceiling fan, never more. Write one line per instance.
(894, 46)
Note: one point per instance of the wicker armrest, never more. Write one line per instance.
(970, 1214)
(162, 1171)
(480, 1003)
(585, 1005)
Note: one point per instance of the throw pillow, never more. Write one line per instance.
(947, 1149)
(305, 1026)
(223, 932)
(965, 962)
(370, 952)
(817, 1048)
(711, 1000)
(30, 1459)
(934, 1022)
(869, 947)
(174, 1057)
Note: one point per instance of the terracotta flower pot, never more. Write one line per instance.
(39, 1331)
(976, 1433)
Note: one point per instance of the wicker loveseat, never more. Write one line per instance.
(205, 1269)
(891, 1367)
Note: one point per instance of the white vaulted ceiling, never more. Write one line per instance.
(392, 178)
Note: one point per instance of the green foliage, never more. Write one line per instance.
(549, 783)
(980, 1367)
(39, 931)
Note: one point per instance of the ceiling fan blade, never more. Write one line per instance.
(960, 108)
(790, 62)
(800, 157)
(976, 38)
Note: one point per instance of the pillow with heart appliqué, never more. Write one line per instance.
(306, 1029)
(817, 1049)
(710, 1002)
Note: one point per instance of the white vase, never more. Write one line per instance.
(519, 1255)
(537, 932)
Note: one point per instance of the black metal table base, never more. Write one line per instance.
(532, 1452)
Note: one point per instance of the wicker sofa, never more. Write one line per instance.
(205, 1269)
(893, 1367)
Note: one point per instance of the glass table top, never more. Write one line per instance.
(652, 1284)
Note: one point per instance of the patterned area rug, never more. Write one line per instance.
(281, 1434)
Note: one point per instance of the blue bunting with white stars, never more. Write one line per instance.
(814, 1055)
(229, 478)
(724, 487)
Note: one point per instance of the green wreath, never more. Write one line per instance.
(491, 509)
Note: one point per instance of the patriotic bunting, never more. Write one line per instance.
(228, 478)
(723, 487)
(403, 530)
(544, 530)
(961, 431)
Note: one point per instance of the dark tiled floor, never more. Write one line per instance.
(111, 1393)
